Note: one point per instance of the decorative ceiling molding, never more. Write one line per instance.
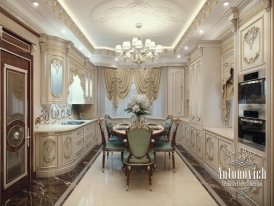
(233, 15)
(227, 45)
(200, 17)
(253, 11)
(56, 7)
(162, 12)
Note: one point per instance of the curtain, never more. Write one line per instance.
(148, 82)
(117, 84)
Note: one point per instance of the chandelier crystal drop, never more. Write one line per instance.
(137, 52)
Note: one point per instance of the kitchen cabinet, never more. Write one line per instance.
(89, 83)
(205, 85)
(68, 76)
(253, 42)
(196, 92)
(211, 151)
(54, 70)
(59, 148)
(175, 91)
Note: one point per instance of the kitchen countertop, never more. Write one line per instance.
(222, 131)
(184, 119)
(59, 127)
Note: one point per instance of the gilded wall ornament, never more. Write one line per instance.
(252, 60)
(49, 150)
(198, 141)
(250, 36)
(67, 148)
(209, 148)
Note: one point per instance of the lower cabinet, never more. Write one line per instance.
(48, 149)
(199, 143)
(225, 157)
(67, 148)
(59, 152)
(211, 151)
(193, 140)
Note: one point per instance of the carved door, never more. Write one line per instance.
(15, 87)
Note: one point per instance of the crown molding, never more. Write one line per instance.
(252, 10)
(57, 8)
(8, 14)
(200, 17)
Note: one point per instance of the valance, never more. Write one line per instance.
(117, 84)
(148, 82)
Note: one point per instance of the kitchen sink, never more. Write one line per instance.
(72, 122)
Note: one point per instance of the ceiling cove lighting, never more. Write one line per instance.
(226, 3)
(138, 53)
(35, 4)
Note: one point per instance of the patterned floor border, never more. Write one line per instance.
(215, 189)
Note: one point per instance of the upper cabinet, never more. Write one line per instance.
(175, 91)
(68, 76)
(53, 59)
(253, 44)
(205, 85)
(89, 83)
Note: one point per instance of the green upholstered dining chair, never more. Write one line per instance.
(109, 146)
(168, 146)
(166, 134)
(139, 150)
(109, 127)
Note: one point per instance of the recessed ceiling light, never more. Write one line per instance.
(35, 4)
(226, 3)
(201, 31)
(186, 47)
(80, 48)
(116, 59)
(178, 56)
(64, 31)
(89, 55)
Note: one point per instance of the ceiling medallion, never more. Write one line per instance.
(138, 7)
(138, 53)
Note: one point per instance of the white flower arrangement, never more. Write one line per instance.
(138, 105)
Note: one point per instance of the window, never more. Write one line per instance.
(157, 105)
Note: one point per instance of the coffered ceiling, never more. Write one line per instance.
(96, 26)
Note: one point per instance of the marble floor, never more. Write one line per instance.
(168, 189)
(53, 190)
(87, 185)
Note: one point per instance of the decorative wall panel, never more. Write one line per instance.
(252, 44)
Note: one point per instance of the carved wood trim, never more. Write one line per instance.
(13, 18)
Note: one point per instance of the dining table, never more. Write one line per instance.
(120, 129)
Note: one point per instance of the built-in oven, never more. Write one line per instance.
(252, 88)
(251, 122)
(252, 132)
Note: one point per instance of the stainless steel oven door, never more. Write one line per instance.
(252, 132)
(252, 91)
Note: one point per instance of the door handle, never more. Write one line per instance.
(27, 138)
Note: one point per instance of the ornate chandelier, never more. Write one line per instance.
(137, 52)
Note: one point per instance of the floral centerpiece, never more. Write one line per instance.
(139, 105)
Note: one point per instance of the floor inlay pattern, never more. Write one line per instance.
(211, 184)
(47, 191)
